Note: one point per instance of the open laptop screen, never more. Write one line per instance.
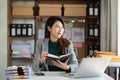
(92, 67)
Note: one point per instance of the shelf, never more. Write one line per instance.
(24, 37)
(23, 17)
(45, 17)
(64, 1)
(89, 44)
(23, 58)
(90, 38)
(68, 17)
(93, 1)
(59, 1)
(93, 17)
(23, 0)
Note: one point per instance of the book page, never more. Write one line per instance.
(52, 56)
(64, 55)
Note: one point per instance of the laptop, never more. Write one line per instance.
(91, 67)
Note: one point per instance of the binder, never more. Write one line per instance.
(90, 10)
(96, 10)
(90, 30)
(96, 31)
(90, 50)
(24, 30)
(19, 30)
(29, 30)
(13, 30)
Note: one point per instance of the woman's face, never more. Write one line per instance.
(56, 30)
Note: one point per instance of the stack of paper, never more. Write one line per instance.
(18, 72)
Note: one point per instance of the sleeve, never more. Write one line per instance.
(36, 61)
(73, 62)
(37, 56)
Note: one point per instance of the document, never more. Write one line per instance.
(78, 35)
(41, 33)
(62, 58)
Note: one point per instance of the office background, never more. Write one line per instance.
(108, 23)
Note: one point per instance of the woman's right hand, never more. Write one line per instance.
(43, 56)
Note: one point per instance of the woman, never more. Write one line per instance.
(55, 44)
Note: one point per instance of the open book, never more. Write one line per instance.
(62, 58)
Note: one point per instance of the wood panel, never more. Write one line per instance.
(22, 9)
(9, 20)
(50, 9)
(75, 10)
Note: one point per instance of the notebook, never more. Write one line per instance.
(62, 58)
(91, 67)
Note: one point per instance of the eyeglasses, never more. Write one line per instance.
(60, 28)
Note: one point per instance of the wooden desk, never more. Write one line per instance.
(63, 76)
(114, 57)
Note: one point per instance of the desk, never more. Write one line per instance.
(114, 57)
(62, 76)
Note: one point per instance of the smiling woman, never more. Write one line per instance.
(54, 44)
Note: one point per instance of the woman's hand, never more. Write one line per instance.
(60, 64)
(43, 56)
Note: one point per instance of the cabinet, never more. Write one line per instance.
(78, 19)
(21, 32)
(93, 27)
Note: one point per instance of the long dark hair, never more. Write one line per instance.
(63, 43)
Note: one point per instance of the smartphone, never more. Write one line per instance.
(39, 73)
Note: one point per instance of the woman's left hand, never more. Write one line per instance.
(60, 64)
